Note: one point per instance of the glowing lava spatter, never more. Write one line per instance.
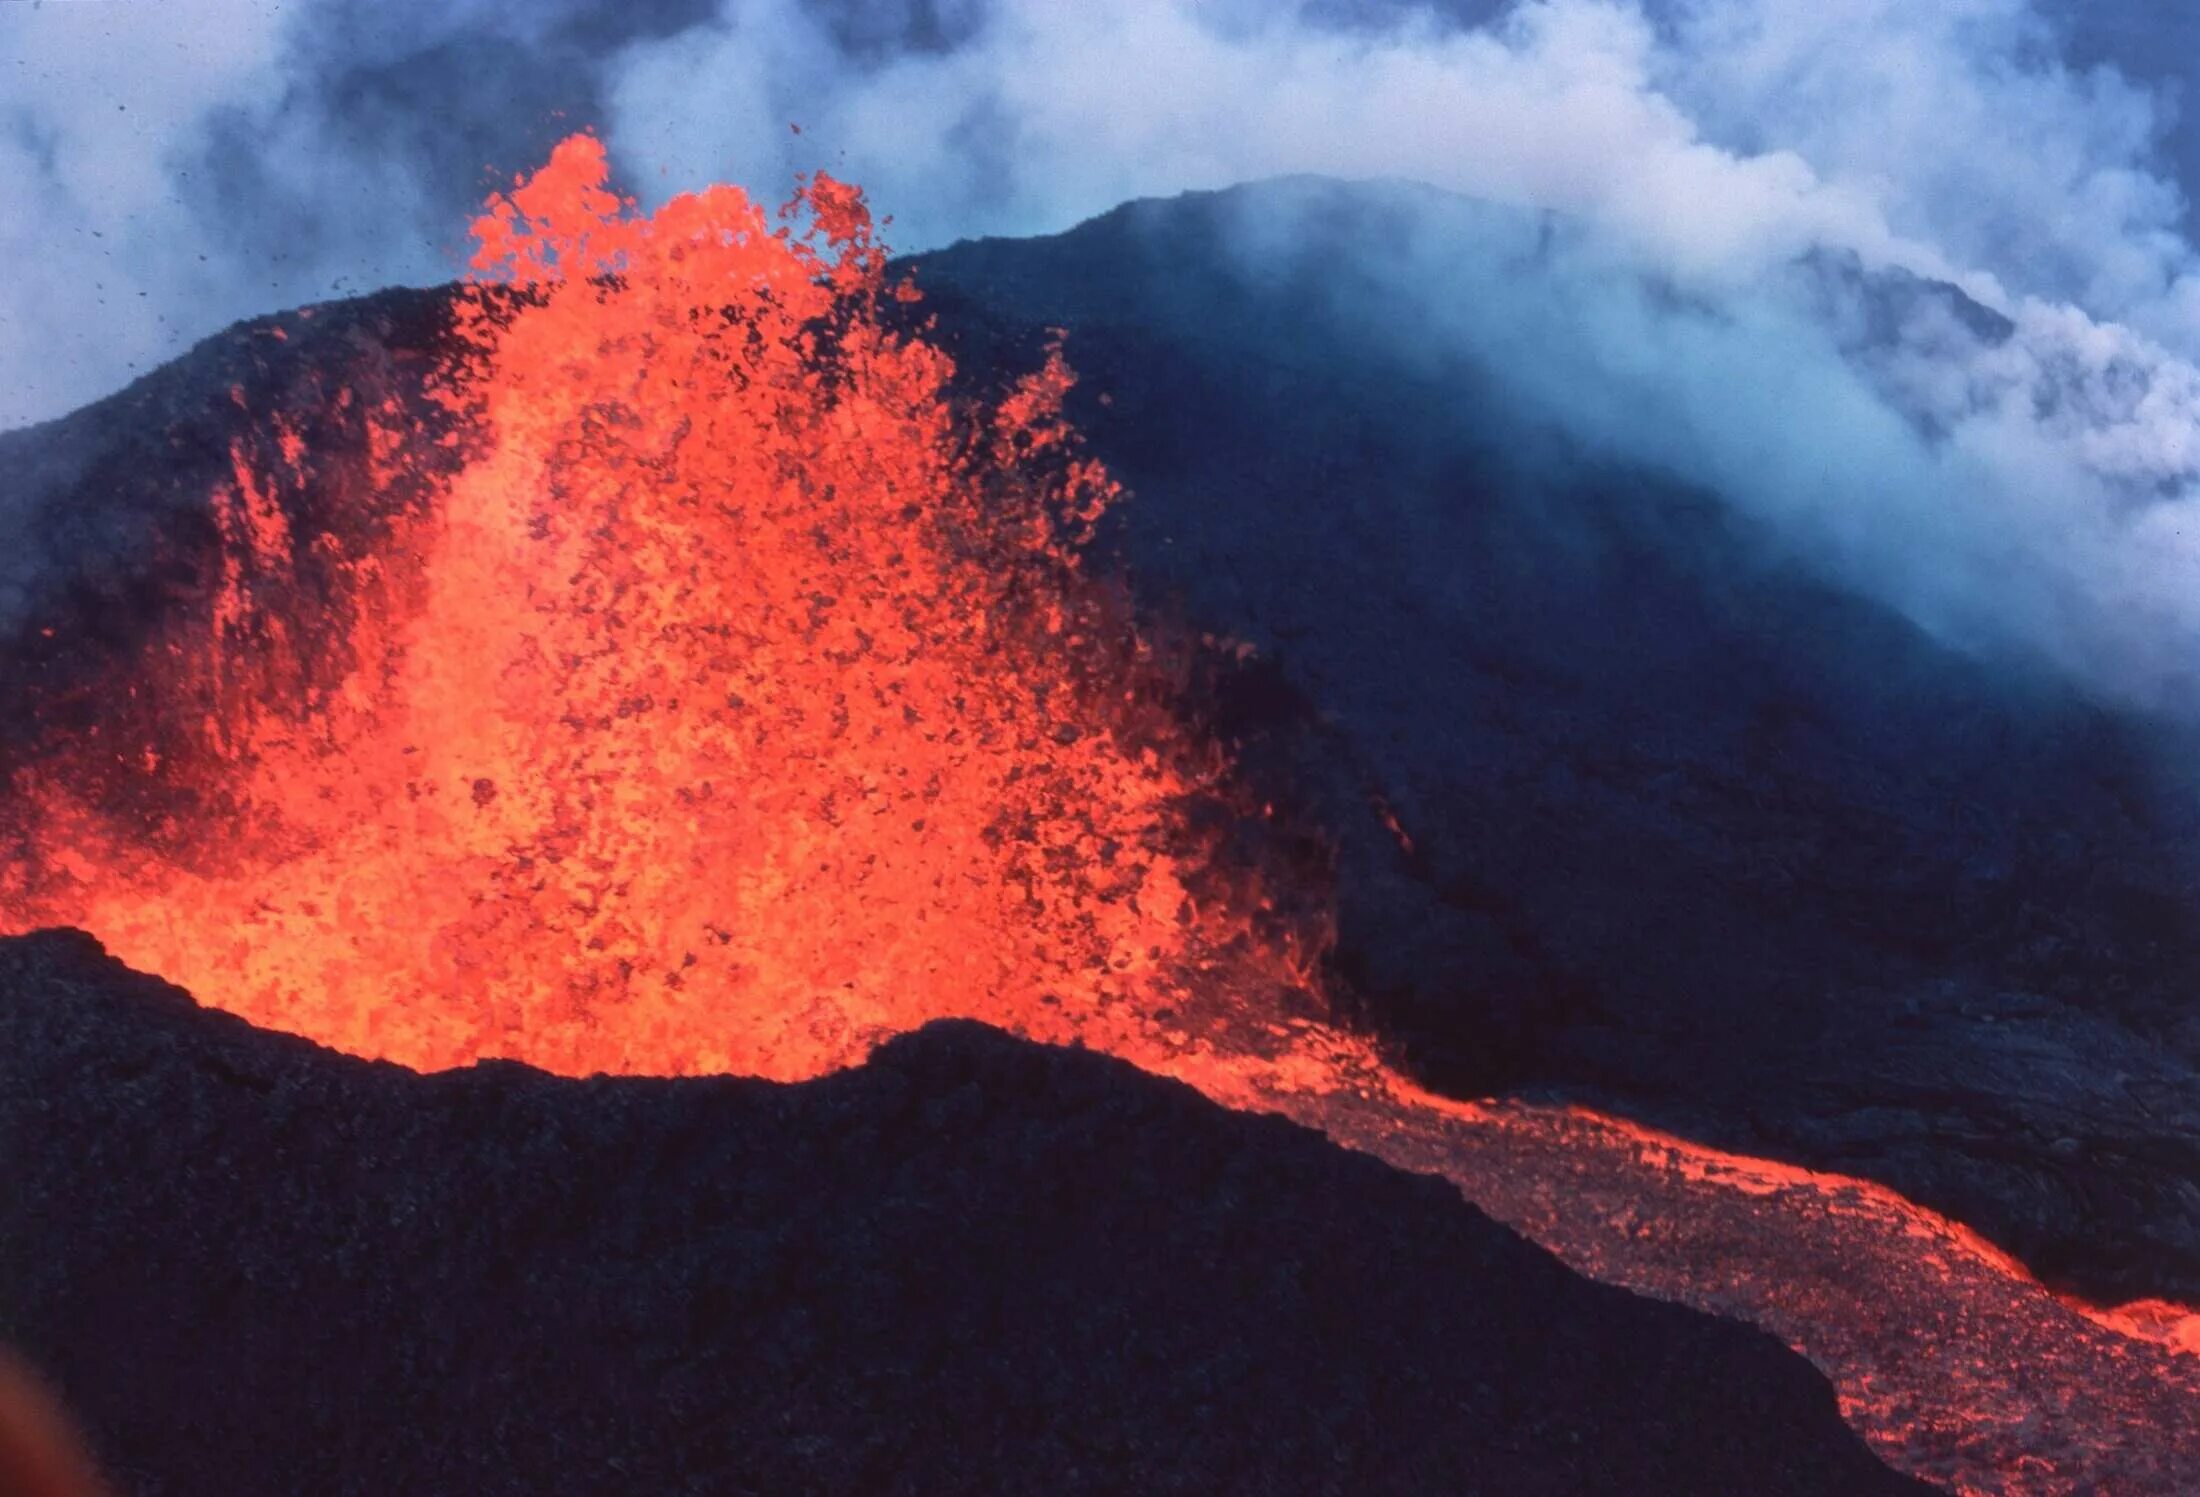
(749, 701)
(730, 694)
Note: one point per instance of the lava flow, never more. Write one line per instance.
(738, 697)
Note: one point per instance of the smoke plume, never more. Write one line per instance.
(1915, 282)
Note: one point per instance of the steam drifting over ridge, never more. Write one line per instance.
(1736, 179)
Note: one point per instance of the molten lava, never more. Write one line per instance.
(740, 700)
(718, 688)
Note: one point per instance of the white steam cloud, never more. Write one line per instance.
(2030, 479)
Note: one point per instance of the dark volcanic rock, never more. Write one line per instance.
(104, 514)
(111, 532)
(974, 1264)
(1695, 832)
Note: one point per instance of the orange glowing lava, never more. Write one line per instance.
(741, 700)
(722, 692)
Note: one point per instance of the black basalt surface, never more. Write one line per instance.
(1695, 832)
(971, 1265)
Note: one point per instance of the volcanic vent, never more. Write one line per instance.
(735, 699)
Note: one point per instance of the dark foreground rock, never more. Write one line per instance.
(256, 1266)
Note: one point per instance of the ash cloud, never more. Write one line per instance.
(1741, 190)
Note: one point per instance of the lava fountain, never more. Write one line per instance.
(739, 700)
(719, 688)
